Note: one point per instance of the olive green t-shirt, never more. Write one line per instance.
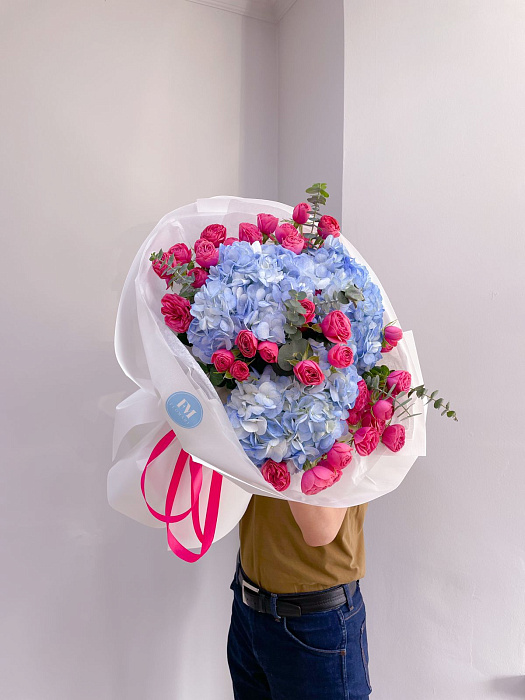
(275, 556)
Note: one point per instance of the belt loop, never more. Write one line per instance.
(273, 606)
(348, 595)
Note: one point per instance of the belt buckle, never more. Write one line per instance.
(245, 584)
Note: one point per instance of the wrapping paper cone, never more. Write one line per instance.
(175, 394)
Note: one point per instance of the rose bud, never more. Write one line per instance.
(176, 310)
(336, 327)
(276, 474)
(340, 355)
(308, 372)
(215, 233)
(200, 276)
(267, 223)
(229, 241)
(283, 230)
(223, 359)
(328, 226)
(250, 233)
(316, 479)
(393, 335)
(294, 241)
(387, 348)
(247, 343)
(400, 380)
(268, 351)
(339, 456)
(301, 212)
(394, 437)
(363, 397)
(240, 370)
(181, 253)
(206, 254)
(383, 409)
(309, 307)
(366, 440)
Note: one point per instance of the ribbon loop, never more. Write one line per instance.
(196, 475)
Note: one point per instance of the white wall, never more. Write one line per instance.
(434, 200)
(311, 65)
(113, 113)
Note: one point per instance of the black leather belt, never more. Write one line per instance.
(291, 604)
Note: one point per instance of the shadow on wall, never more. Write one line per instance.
(508, 686)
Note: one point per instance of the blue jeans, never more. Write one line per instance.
(317, 656)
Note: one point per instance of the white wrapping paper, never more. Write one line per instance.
(153, 357)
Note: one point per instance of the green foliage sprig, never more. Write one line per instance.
(421, 392)
(376, 382)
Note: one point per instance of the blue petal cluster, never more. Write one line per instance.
(278, 417)
(335, 269)
(247, 290)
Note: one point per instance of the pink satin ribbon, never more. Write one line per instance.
(212, 510)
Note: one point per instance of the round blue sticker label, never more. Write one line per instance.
(184, 409)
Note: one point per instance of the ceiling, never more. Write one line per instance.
(267, 10)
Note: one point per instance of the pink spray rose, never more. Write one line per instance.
(215, 233)
(176, 310)
(308, 372)
(250, 233)
(181, 253)
(309, 307)
(336, 327)
(387, 348)
(223, 359)
(366, 440)
(340, 355)
(283, 230)
(317, 478)
(247, 343)
(229, 241)
(368, 420)
(394, 437)
(383, 409)
(354, 416)
(206, 254)
(328, 226)
(200, 276)
(276, 474)
(268, 351)
(400, 379)
(363, 397)
(294, 241)
(267, 223)
(393, 335)
(161, 267)
(339, 456)
(301, 212)
(240, 370)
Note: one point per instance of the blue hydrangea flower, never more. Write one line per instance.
(335, 269)
(277, 417)
(247, 290)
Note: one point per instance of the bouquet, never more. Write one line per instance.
(269, 360)
(291, 325)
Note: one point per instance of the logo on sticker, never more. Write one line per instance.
(184, 409)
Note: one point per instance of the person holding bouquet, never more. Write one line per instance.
(298, 622)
